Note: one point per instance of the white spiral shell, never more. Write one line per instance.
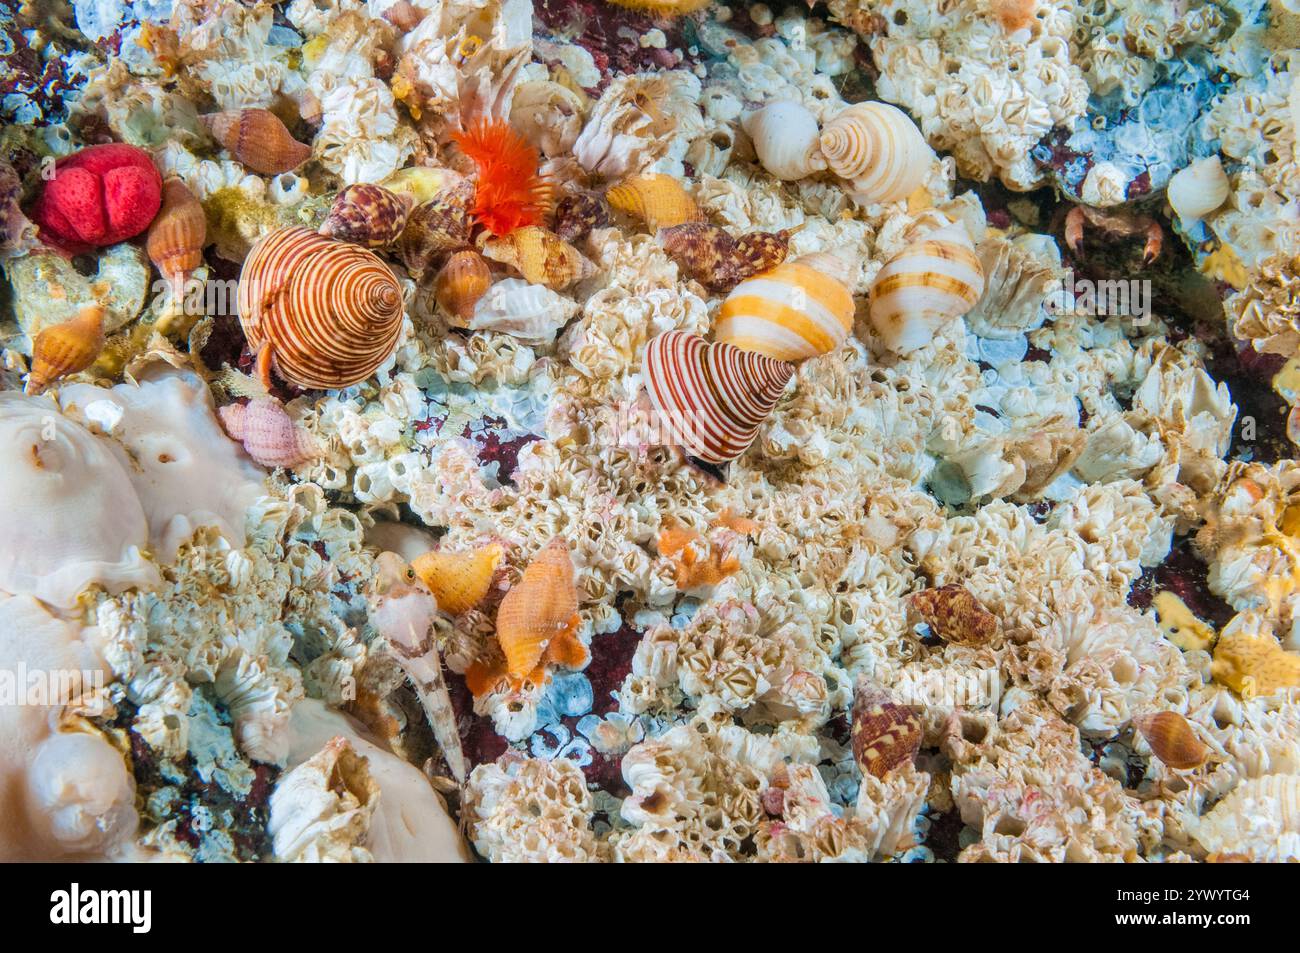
(928, 283)
(878, 149)
(785, 137)
(1199, 189)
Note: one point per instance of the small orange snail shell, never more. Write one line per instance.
(66, 348)
(257, 139)
(177, 235)
(326, 314)
(462, 281)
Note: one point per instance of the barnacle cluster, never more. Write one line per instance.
(441, 432)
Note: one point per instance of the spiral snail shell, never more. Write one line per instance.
(791, 312)
(176, 237)
(924, 286)
(711, 398)
(785, 138)
(368, 215)
(324, 313)
(878, 149)
(257, 139)
(66, 348)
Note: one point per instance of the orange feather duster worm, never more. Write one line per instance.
(509, 193)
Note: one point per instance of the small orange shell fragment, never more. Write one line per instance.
(696, 563)
(459, 581)
(1172, 739)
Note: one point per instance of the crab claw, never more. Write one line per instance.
(1074, 221)
(1155, 241)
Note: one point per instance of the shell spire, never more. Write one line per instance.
(879, 149)
(711, 398)
(326, 314)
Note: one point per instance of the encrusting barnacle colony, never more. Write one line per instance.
(430, 435)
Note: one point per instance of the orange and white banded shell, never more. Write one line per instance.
(657, 199)
(791, 312)
(330, 312)
(711, 398)
(176, 237)
(926, 285)
(257, 139)
(879, 149)
(368, 215)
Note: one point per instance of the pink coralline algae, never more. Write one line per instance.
(101, 195)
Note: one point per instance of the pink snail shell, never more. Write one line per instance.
(268, 434)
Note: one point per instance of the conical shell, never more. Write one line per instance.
(785, 137)
(657, 199)
(461, 282)
(368, 215)
(540, 256)
(331, 312)
(540, 608)
(258, 140)
(923, 287)
(790, 313)
(268, 433)
(1172, 739)
(176, 237)
(711, 398)
(459, 581)
(66, 348)
(436, 227)
(885, 735)
(878, 149)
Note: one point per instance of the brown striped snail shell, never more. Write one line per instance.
(368, 215)
(436, 227)
(712, 257)
(885, 734)
(461, 282)
(66, 348)
(326, 314)
(577, 213)
(711, 398)
(257, 139)
(176, 237)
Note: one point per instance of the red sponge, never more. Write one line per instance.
(98, 196)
